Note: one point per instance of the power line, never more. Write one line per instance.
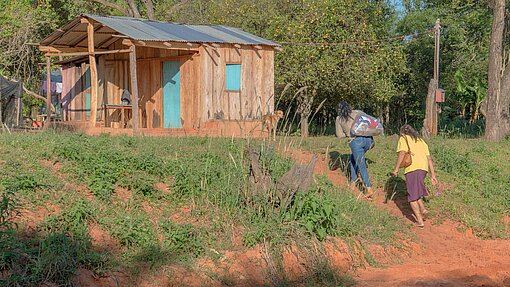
(358, 42)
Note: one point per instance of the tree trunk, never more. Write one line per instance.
(124, 11)
(150, 9)
(498, 92)
(387, 114)
(304, 126)
(305, 102)
(133, 8)
(476, 114)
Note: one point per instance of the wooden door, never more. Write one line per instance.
(171, 94)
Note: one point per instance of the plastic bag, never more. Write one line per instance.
(366, 126)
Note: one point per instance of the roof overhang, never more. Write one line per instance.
(73, 37)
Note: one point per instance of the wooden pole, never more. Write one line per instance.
(134, 87)
(1, 116)
(48, 90)
(18, 104)
(88, 53)
(435, 116)
(93, 74)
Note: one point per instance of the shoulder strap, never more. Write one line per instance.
(408, 146)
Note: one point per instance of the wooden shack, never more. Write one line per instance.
(189, 79)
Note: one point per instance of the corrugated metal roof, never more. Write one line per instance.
(146, 30)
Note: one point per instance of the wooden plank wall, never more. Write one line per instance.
(74, 80)
(67, 89)
(191, 85)
(203, 95)
(149, 64)
(257, 83)
(116, 80)
(73, 91)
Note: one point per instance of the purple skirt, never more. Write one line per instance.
(415, 184)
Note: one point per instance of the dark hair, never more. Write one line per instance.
(410, 131)
(344, 110)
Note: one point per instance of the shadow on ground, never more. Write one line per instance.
(395, 190)
(341, 161)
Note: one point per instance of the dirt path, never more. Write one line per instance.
(443, 256)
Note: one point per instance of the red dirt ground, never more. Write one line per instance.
(443, 256)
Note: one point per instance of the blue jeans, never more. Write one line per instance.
(359, 146)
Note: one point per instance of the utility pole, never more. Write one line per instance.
(435, 114)
(430, 124)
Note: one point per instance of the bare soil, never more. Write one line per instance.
(442, 255)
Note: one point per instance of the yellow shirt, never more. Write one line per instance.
(419, 153)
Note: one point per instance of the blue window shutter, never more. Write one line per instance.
(233, 77)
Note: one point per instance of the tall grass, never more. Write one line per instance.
(111, 181)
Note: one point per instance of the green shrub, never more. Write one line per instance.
(133, 229)
(181, 238)
(316, 212)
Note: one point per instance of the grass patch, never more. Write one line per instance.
(204, 206)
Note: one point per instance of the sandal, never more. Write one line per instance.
(370, 193)
(425, 214)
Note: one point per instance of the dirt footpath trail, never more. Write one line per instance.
(441, 255)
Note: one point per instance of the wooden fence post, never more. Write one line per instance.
(134, 87)
(93, 73)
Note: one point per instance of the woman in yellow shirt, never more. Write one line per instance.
(415, 174)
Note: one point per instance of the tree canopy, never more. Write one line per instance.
(339, 49)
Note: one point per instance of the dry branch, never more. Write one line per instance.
(298, 179)
(33, 94)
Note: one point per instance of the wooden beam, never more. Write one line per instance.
(86, 35)
(64, 32)
(88, 53)
(258, 47)
(134, 87)
(105, 41)
(53, 49)
(163, 45)
(171, 58)
(93, 72)
(48, 90)
(279, 49)
(209, 46)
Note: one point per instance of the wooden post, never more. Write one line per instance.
(1, 104)
(134, 87)
(18, 104)
(430, 110)
(48, 90)
(93, 73)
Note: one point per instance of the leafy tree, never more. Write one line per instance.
(463, 56)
